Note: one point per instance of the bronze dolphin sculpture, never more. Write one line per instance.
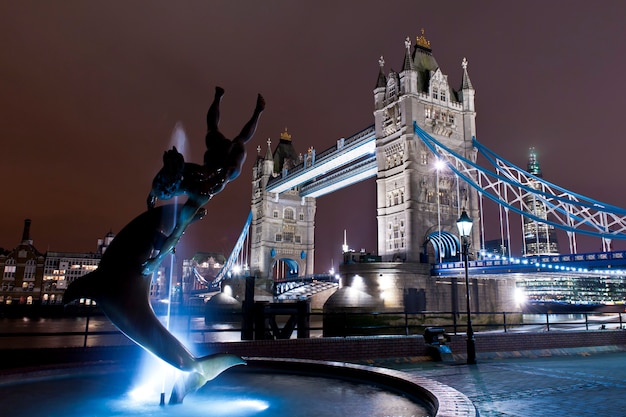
(122, 292)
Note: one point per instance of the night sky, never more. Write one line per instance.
(90, 92)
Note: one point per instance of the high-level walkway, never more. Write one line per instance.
(583, 382)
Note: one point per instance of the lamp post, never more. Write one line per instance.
(464, 225)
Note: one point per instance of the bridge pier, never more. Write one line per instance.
(409, 287)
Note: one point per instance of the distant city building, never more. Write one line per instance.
(496, 247)
(539, 238)
(22, 272)
(63, 268)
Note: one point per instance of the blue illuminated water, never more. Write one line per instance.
(233, 394)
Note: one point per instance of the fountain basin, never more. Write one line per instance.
(265, 387)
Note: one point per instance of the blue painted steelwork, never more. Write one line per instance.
(234, 254)
(292, 272)
(355, 149)
(445, 244)
(597, 263)
(573, 213)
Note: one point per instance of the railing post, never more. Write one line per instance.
(406, 323)
(86, 330)
(504, 320)
(548, 321)
(586, 322)
(620, 321)
(454, 321)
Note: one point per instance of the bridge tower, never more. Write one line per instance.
(418, 203)
(282, 227)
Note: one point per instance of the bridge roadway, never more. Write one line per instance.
(587, 264)
(350, 161)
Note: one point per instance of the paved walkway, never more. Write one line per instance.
(581, 383)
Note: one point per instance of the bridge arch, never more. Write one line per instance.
(283, 268)
(442, 246)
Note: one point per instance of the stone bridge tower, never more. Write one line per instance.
(417, 203)
(282, 227)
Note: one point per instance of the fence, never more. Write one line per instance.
(342, 324)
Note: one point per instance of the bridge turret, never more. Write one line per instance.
(467, 90)
(381, 85)
(268, 162)
(408, 75)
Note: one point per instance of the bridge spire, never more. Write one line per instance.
(381, 82)
(408, 61)
(467, 92)
(268, 153)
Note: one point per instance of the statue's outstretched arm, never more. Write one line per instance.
(213, 115)
(248, 130)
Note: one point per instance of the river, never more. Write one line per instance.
(20, 333)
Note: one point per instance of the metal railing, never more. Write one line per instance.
(340, 324)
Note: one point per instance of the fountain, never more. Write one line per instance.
(277, 387)
(262, 388)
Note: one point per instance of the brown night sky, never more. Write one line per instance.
(91, 90)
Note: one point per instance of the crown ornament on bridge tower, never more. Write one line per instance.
(285, 135)
(422, 41)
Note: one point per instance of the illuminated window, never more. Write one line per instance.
(9, 269)
(29, 270)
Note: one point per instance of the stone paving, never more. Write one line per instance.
(580, 383)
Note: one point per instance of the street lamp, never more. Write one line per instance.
(464, 224)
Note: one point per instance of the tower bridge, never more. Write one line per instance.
(423, 151)
(350, 161)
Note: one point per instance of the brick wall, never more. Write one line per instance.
(349, 349)
(328, 348)
(510, 342)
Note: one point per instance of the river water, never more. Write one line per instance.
(19, 333)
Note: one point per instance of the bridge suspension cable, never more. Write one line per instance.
(235, 254)
(515, 189)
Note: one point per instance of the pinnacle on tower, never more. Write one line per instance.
(268, 153)
(381, 82)
(466, 84)
(408, 60)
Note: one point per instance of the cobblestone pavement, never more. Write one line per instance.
(578, 384)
